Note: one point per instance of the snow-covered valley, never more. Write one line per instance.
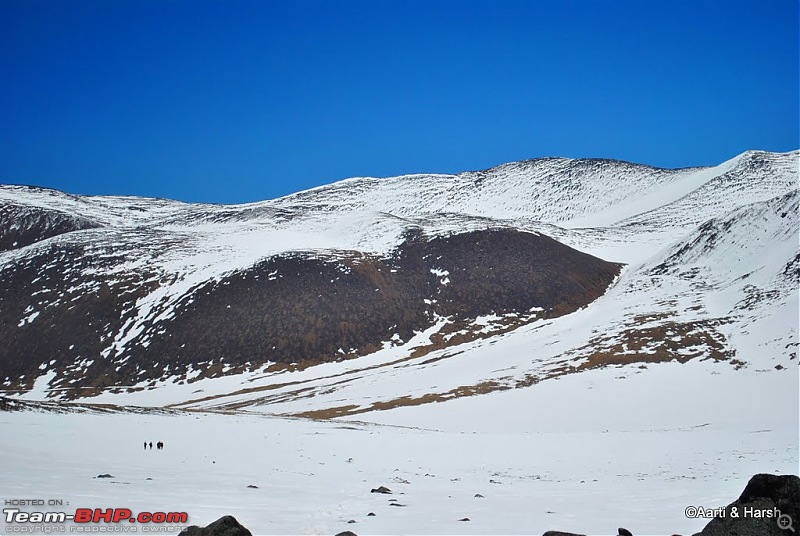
(586, 453)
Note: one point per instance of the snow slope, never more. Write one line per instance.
(726, 292)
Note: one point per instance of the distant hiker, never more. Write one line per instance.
(151, 445)
(160, 445)
(145, 445)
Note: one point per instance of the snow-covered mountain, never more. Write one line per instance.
(372, 293)
(550, 344)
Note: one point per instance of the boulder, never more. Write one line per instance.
(766, 501)
(224, 526)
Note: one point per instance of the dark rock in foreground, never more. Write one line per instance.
(224, 526)
(768, 506)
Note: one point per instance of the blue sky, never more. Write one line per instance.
(235, 101)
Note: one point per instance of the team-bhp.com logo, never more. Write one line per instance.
(87, 520)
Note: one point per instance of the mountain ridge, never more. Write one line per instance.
(150, 261)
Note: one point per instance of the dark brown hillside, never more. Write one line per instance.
(74, 313)
(508, 271)
(22, 225)
(297, 309)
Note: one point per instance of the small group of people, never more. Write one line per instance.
(159, 445)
